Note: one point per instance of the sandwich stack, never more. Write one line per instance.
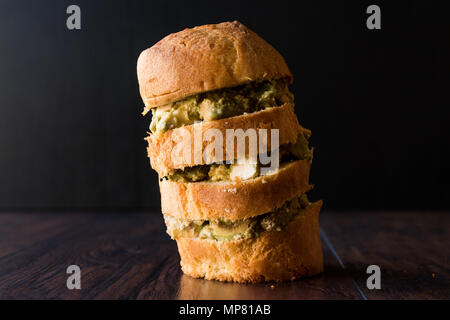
(233, 220)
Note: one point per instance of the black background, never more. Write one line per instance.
(71, 133)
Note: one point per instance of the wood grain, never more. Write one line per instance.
(129, 256)
(412, 250)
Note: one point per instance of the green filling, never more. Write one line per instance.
(223, 230)
(220, 104)
(221, 172)
(211, 173)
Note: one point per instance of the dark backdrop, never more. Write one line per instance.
(71, 133)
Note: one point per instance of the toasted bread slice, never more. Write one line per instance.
(166, 150)
(293, 252)
(235, 200)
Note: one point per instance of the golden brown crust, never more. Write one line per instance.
(283, 255)
(235, 200)
(206, 58)
(161, 146)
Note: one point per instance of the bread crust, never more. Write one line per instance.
(283, 255)
(235, 200)
(161, 146)
(206, 58)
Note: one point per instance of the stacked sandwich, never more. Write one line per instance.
(232, 217)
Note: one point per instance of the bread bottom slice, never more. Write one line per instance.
(291, 253)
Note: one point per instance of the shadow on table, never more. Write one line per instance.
(332, 284)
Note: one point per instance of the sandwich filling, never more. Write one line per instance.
(226, 230)
(220, 104)
(228, 172)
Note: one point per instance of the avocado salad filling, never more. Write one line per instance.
(220, 104)
(224, 230)
(228, 172)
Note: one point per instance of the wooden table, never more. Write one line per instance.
(129, 256)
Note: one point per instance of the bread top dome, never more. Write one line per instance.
(206, 58)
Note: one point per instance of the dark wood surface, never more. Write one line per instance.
(129, 256)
